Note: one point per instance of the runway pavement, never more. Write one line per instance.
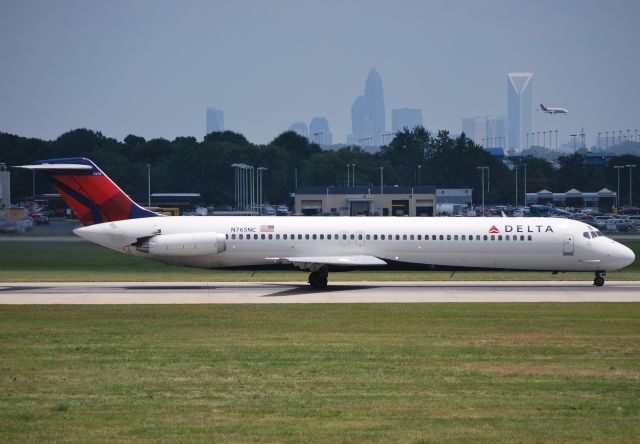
(297, 293)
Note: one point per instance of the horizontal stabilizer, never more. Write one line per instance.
(57, 167)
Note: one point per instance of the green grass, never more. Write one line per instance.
(80, 261)
(321, 373)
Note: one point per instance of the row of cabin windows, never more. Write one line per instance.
(360, 237)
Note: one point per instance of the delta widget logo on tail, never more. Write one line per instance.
(494, 229)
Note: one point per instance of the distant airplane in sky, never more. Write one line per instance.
(553, 110)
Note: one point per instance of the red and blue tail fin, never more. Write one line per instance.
(88, 191)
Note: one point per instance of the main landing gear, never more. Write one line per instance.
(319, 278)
(598, 281)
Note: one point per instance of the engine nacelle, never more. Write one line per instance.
(187, 244)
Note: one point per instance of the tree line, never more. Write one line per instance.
(414, 157)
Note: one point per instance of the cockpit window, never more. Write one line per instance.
(586, 234)
(594, 235)
(598, 233)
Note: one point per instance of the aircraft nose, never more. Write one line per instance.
(622, 256)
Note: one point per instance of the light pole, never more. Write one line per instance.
(599, 141)
(582, 134)
(516, 166)
(261, 171)
(524, 165)
(606, 140)
(295, 179)
(618, 167)
(149, 185)
(482, 168)
(348, 171)
(574, 141)
(381, 191)
(631, 167)
(419, 174)
(528, 146)
(353, 174)
(556, 131)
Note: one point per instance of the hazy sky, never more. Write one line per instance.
(151, 67)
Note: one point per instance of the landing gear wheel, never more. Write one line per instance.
(598, 281)
(319, 279)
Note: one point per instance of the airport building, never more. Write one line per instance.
(394, 201)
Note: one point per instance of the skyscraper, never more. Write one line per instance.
(475, 129)
(368, 113)
(519, 107)
(215, 120)
(405, 118)
(300, 128)
(319, 131)
(496, 131)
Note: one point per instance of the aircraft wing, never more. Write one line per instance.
(315, 262)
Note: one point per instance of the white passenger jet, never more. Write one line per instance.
(323, 244)
(553, 110)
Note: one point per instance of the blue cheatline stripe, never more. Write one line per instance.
(96, 213)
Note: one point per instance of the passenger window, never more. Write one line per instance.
(233, 236)
(500, 237)
(314, 237)
(368, 237)
(375, 237)
(359, 236)
(344, 237)
(486, 237)
(419, 236)
(529, 237)
(411, 237)
(522, 237)
(306, 236)
(262, 236)
(382, 237)
(284, 236)
(352, 236)
(278, 236)
(240, 236)
(300, 236)
(507, 237)
(404, 237)
(478, 237)
(433, 237)
(464, 237)
(448, 237)
(455, 237)
(322, 237)
(255, 236)
(271, 237)
(328, 237)
(441, 237)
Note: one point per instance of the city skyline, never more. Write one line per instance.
(74, 64)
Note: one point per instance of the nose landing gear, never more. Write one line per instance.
(598, 281)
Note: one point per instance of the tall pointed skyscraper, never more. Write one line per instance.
(368, 113)
(519, 108)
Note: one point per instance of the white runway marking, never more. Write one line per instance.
(299, 293)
